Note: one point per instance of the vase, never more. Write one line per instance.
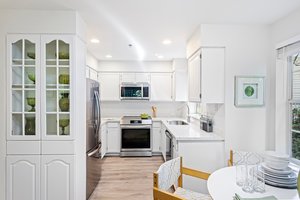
(64, 102)
(30, 126)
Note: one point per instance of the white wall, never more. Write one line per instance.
(136, 66)
(27, 21)
(91, 61)
(246, 53)
(281, 32)
(132, 108)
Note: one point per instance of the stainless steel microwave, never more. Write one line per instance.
(135, 91)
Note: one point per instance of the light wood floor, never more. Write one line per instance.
(129, 178)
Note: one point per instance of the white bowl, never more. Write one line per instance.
(276, 155)
(277, 164)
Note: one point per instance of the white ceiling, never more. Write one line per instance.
(145, 23)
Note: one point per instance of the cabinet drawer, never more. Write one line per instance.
(156, 124)
(113, 125)
(23, 147)
(58, 147)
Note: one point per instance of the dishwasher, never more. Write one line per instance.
(169, 149)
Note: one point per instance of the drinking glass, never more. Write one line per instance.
(249, 180)
(240, 173)
(259, 179)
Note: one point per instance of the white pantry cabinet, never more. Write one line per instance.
(113, 137)
(23, 177)
(41, 69)
(109, 86)
(156, 132)
(161, 87)
(206, 71)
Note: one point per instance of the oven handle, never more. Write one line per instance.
(135, 127)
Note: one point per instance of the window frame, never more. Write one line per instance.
(290, 103)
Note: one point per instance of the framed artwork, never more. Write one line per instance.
(249, 91)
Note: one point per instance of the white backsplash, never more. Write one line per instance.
(122, 108)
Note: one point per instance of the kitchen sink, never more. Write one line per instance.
(177, 122)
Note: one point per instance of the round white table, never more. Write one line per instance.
(221, 186)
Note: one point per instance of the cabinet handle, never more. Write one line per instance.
(200, 96)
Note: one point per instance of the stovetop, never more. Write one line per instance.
(135, 120)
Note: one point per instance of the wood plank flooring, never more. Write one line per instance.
(129, 178)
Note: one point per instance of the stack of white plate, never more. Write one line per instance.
(276, 160)
(276, 170)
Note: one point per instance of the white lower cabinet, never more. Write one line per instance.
(156, 131)
(103, 137)
(163, 146)
(57, 177)
(207, 156)
(113, 137)
(23, 177)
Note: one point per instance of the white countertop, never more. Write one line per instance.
(180, 132)
(188, 132)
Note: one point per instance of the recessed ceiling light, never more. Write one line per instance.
(166, 42)
(108, 56)
(95, 40)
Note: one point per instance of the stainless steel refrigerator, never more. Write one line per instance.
(93, 142)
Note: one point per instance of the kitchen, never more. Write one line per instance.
(247, 44)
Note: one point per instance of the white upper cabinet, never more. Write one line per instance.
(135, 78)
(161, 87)
(206, 75)
(194, 76)
(91, 73)
(142, 77)
(180, 67)
(109, 86)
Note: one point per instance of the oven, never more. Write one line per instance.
(136, 138)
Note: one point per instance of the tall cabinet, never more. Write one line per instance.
(40, 137)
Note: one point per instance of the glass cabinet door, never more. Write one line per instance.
(23, 87)
(57, 82)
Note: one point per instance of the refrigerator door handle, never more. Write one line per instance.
(94, 151)
(98, 120)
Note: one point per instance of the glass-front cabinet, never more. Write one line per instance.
(40, 89)
(57, 87)
(23, 87)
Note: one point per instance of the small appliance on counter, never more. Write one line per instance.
(206, 123)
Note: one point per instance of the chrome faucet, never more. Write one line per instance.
(188, 114)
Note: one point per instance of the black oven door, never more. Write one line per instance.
(136, 138)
